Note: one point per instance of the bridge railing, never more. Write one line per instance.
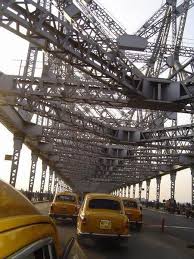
(179, 208)
(37, 196)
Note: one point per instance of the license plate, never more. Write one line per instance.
(105, 224)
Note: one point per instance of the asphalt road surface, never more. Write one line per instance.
(149, 243)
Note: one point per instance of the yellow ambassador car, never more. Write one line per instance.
(24, 232)
(102, 215)
(65, 205)
(133, 212)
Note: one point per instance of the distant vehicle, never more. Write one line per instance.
(133, 210)
(65, 205)
(25, 233)
(102, 216)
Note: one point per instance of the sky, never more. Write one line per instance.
(131, 14)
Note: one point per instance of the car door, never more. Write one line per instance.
(41, 249)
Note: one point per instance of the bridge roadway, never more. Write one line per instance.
(150, 243)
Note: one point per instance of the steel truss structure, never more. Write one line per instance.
(98, 115)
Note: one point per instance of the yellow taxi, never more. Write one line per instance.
(134, 212)
(65, 205)
(24, 232)
(102, 215)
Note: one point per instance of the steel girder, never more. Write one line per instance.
(82, 93)
(51, 173)
(75, 46)
(18, 141)
(192, 184)
(75, 53)
(78, 111)
(153, 24)
(43, 177)
(34, 159)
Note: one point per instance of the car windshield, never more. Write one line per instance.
(130, 204)
(104, 204)
(68, 198)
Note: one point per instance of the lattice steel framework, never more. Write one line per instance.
(43, 177)
(17, 143)
(158, 183)
(50, 180)
(192, 185)
(147, 189)
(98, 115)
(34, 158)
(172, 185)
(55, 184)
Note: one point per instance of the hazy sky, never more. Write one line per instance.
(131, 14)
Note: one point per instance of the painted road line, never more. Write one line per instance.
(168, 226)
(165, 212)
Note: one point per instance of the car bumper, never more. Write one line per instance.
(102, 235)
(135, 222)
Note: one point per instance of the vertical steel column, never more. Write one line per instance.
(55, 184)
(124, 191)
(192, 168)
(192, 185)
(17, 146)
(63, 186)
(34, 159)
(59, 186)
(31, 60)
(50, 180)
(29, 70)
(158, 182)
(147, 189)
(172, 185)
(43, 177)
(129, 188)
(140, 189)
(134, 185)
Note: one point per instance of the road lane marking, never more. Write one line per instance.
(165, 212)
(168, 226)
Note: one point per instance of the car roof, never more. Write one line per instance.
(17, 214)
(14, 203)
(102, 196)
(66, 193)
